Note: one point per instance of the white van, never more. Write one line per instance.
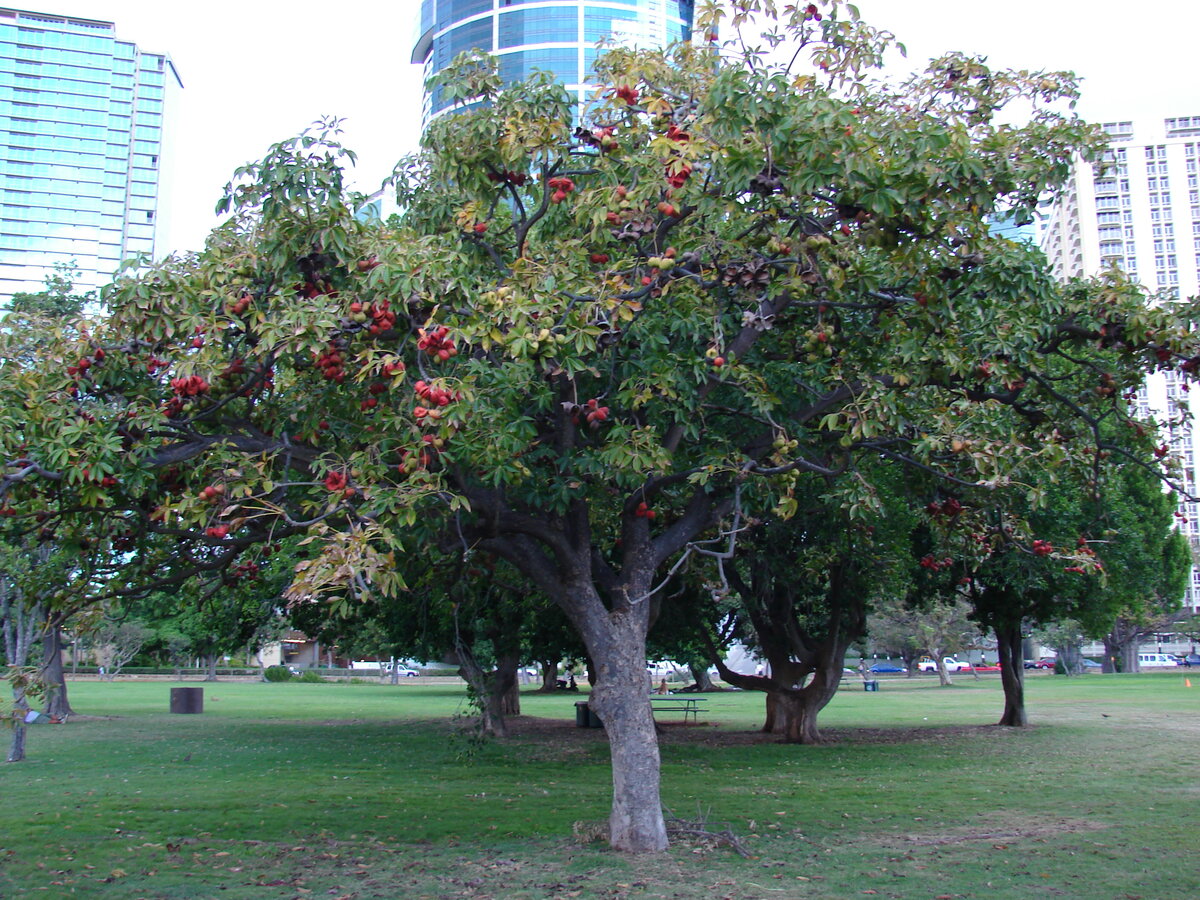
(1156, 660)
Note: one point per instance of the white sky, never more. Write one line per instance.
(259, 71)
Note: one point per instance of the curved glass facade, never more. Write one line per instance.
(81, 136)
(557, 36)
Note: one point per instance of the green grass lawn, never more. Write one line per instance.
(376, 791)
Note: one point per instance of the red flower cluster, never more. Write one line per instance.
(950, 507)
(936, 565)
(330, 364)
(561, 187)
(192, 386)
(436, 343)
(86, 363)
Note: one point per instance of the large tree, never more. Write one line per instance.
(805, 585)
(592, 340)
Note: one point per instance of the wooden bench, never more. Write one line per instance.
(689, 706)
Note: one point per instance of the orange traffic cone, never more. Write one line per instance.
(1187, 682)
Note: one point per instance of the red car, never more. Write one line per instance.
(987, 667)
(1043, 663)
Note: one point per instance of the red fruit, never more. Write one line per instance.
(323, 425)
(481, 227)
(558, 197)
(667, 209)
(599, 258)
(348, 493)
(718, 361)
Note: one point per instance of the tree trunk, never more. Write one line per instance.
(798, 708)
(702, 682)
(943, 673)
(210, 667)
(1012, 674)
(1112, 652)
(506, 686)
(16, 750)
(773, 721)
(1129, 656)
(549, 669)
(616, 643)
(57, 705)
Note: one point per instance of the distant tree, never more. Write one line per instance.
(940, 626)
(893, 628)
(115, 644)
(805, 585)
(59, 299)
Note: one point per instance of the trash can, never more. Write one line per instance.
(585, 718)
(187, 700)
(870, 685)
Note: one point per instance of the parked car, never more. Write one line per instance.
(405, 672)
(1157, 661)
(952, 665)
(987, 667)
(1090, 664)
(1046, 662)
(886, 668)
(1192, 659)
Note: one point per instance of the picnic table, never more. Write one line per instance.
(689, 706)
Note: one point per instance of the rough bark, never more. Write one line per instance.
(210, 667)
(796, 711)
(506, 686)
(1129, 657)
(616, 643)
(1012, 674)
(57, 706)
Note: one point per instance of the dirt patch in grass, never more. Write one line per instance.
(995, 833)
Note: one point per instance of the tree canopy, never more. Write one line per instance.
(593, 341)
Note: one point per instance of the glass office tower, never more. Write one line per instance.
(557, 36)
(81, 147)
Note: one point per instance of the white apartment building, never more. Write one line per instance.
(1139, 210)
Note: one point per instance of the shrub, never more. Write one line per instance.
(278, 673)
(311, 677)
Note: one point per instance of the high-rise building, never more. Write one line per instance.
(1140, 212)
(556, 36)
(81, 148)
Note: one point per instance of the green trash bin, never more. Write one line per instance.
(585, 718)
(870, 685)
